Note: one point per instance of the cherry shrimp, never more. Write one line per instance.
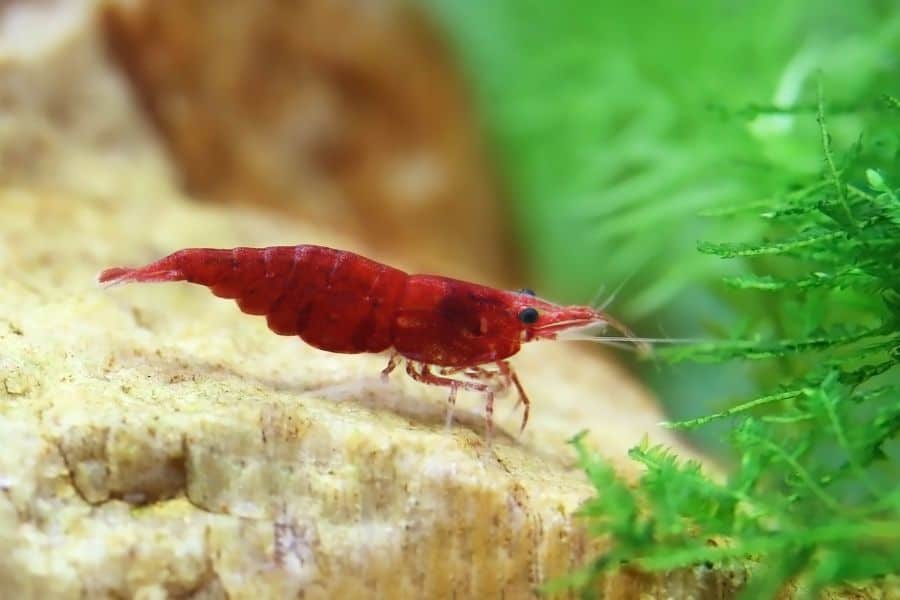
(343, 302)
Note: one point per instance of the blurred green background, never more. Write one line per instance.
(616, 126)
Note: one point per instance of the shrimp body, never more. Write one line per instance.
(333, 300)
(343, 302)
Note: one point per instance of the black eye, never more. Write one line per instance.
(527, 292)
(528, 315)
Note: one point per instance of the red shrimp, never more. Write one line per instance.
(342, 302)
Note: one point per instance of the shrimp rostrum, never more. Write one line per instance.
(450, 333)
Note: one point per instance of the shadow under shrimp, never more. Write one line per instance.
(371, 392)
(376, 394)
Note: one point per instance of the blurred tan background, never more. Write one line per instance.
(348, 114)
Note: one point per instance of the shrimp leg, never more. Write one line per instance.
(424, 375)
(507, 377)
(510, 375)
(497, 380)
(393, 361)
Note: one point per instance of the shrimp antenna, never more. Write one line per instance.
(596, 297)
(612, 297)
(641, 344)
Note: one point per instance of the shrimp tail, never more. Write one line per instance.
(232, 273)
(165, 269)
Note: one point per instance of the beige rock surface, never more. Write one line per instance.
(66, 119)
(158, 443)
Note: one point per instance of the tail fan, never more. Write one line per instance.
(119, 275)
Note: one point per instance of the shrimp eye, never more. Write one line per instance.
(528, 315)
(527, 292)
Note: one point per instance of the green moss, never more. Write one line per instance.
(814, 495)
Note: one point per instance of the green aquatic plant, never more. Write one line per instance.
(813, 499)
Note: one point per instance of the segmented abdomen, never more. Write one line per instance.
(335, 300)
